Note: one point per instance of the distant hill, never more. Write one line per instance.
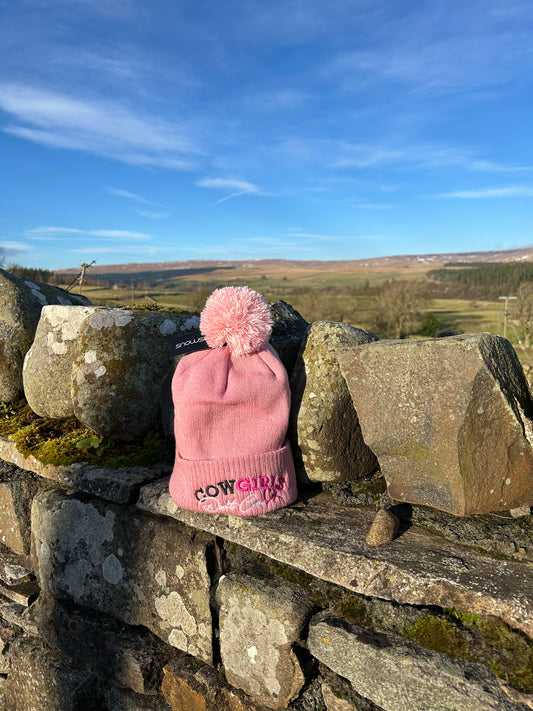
(205, 267)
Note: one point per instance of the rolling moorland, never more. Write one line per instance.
(401, 296)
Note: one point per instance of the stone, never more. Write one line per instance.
(13, 568)
(21, 302)
(117, 379)
(130, 657)
(17, 489)
(288, 331)
(430, 410)
(22, 593)
(19, 616)
(334, 702)
(119, 485)
(189, 686)
(6, 635)
(326, 541)
(47, 370)
(41, 678)
(520, 511)
(324, 430)
(398, 675)
(117, 699)
(384, 528)
(260, 622)
(141, 569)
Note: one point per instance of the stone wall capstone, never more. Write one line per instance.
(21, 302)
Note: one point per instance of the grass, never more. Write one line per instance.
(340, 291)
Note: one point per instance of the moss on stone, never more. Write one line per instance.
(353, 610)
(511, 652)
(438, 634)
(63, 442)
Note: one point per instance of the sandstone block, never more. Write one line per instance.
(17, 489)
(449, 420)
(41, 678)
(189, 688)
(21, 302)
(130, 657)
(47, 371)
(144, 570)
(288, 331)
(117, 379)
(260, 621)
(324, 429)
(397, 675)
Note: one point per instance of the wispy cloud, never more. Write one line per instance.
(97, 126)
(239, 187)
(101, 249)
(45, 230)
(133, 196)
(152, 215)
(508, 192)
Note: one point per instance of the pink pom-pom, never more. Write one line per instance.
(238, 317)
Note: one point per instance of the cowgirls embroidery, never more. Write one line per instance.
(231, 405)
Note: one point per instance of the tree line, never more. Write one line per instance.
(480, 282)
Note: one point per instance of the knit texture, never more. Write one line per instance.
(231, 411)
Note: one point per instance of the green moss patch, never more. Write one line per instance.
(63, 442)
(438, 634)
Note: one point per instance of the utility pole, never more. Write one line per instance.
(505, 312)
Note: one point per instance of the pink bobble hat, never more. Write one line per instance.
(231, 405)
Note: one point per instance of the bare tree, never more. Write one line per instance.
(400, 305)
(523, 311)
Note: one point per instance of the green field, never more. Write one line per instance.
(347, 293)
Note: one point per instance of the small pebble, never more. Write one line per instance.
(521, 511)
(384, 528)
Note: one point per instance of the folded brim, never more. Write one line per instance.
(242, 486)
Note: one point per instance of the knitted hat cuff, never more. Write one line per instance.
(243, 486)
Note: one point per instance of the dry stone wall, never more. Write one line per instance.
(113, 598)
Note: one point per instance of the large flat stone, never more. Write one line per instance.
(328, 542)
(144, 570)
(449, 420)
(399, 675)
(260, 622)
(327, 441)
(118, 485)
(21, 302)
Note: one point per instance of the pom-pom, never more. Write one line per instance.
(238, 317)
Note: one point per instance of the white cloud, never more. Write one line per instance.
(241, 187)
(97, 126)
(133, 196)
(40, 232)
(509, 192)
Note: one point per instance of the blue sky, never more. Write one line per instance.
(134, 131)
